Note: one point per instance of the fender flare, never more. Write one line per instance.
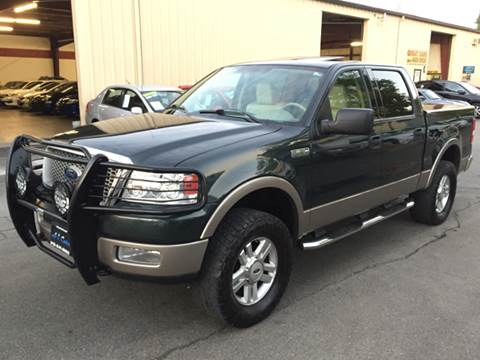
(443, 150)
(248, 187)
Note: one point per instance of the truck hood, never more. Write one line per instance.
(161, 140)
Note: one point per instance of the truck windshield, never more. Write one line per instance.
(265, 92)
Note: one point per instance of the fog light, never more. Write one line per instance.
(138, 256)
(61, 197)
(21, 181)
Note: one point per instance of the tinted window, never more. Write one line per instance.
(348, 91)
(131, 99)
(113, 97)
(453, 87)
(436, 86)
(396, 100)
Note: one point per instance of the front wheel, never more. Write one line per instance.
(247, 267)
(433, 205)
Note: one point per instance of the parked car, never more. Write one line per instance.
(46, 103)
(428, 96)
(68, 106)
(12, 85)
(455, 91)
(6, 94)
(124, 100)
(220, 189)
(23, 101)
(12, 98)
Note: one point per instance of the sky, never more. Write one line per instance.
(459, 12)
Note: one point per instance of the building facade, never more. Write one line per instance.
(176, 42)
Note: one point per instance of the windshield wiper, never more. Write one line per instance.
(232, 113)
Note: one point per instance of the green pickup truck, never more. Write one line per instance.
(253, 161)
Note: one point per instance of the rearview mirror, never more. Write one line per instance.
(349, 121)
(136, 110)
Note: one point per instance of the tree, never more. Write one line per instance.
(478, 22)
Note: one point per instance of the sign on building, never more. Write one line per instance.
(416, 57)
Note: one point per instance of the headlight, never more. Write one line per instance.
(162, 189)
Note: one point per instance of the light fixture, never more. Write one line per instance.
(6, 28)
(25, 7)
(137, 256)
(27, 21)
(356, 43)
(61, 197)
(21, 181)
(19, 21)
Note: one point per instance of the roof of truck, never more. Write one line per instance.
(318, 61)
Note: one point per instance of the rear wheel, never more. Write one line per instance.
(247, 267)
(433, 205)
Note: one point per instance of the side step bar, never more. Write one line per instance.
(336, 235)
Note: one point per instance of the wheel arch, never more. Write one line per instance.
(246, 193)
(450, 151)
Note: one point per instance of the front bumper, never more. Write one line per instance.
(175, 260)
(91, 252)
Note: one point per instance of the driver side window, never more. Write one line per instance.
(348, 91)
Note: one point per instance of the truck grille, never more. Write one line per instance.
(54, 170)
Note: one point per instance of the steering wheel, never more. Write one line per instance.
(295, 109)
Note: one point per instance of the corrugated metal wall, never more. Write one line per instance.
(176, 42)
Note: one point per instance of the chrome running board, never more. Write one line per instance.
(336, 235)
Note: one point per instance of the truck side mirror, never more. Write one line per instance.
(349, 121)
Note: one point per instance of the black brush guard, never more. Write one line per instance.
(82, 217)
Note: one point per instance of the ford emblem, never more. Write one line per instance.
(72, 173)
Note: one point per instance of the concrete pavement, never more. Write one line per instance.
(398, 290)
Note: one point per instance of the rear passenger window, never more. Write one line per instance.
(113, 97)
(396, 100)
(348, 91)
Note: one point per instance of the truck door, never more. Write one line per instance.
(343, 165)
(401, 126)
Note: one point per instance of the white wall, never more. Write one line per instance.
(33, 58)
(24, 68)
(68, 67)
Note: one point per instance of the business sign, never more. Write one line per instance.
(468, 69)
(416, 57)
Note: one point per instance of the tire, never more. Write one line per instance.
(215, 288)
(425, 209)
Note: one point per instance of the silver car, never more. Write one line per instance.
(124, 100)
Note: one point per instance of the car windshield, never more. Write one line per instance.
(471, 89)
(159, 100)
(265, 92)
(48, 86)
(31, 84)
(429, 94)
